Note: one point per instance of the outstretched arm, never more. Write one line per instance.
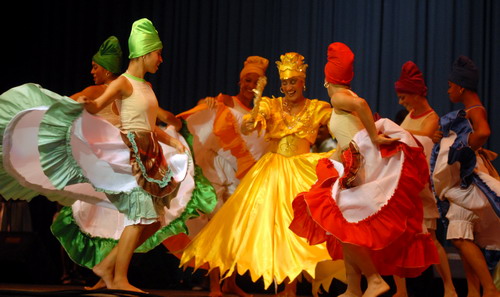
(169, 140)
(169, 118)
(118, 89)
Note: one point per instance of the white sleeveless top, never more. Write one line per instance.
(410, 123)
(344, 125)
(139, 110)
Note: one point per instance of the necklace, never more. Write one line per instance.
(286, 110)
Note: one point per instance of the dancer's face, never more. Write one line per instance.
(153, 60)
(98, 73)
(408, 101)
(455, 92)
(247, 83)
(293, 89)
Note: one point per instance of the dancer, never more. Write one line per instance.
(68, 155)
(250, 231)
(364, 207)
(422, 121)
(224, 154)
(460, 175)
(106, 67)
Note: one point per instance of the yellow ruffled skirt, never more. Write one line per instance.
(250, 232)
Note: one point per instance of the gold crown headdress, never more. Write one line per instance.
(291, 64)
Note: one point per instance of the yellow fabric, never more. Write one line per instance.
(250, 232)
(277, 123)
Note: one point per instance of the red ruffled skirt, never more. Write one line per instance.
(373, 202)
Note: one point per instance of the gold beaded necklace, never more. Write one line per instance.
(286, 109)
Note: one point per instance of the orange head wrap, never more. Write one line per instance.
(411, 80)
(254, 64)
(339, 68)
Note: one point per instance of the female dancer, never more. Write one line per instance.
(70, 155)
(365, 207)
(422, 121)
(250, 231)
(462, 176)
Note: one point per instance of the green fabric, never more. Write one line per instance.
(59, 165)
(54, 137)
(88, 251)
(143, 39)
(13, 102)
(109, 55)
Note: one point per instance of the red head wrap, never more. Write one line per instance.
(339, 68)
(411, 80)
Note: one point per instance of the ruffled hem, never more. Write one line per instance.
(395, 227)
(13, 102)
(87, 250)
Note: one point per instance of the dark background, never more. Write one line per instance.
(206, 41)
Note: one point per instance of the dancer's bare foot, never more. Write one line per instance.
(450, 292)
(106, 275)
(99, 285)
(350, 294)
(215, 293)
(231, 287)
(376, 287)
(126, 286)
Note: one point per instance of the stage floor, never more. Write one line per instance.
(28, 290)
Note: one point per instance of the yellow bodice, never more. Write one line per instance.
(291, 135)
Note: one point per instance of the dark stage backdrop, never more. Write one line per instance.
(206, 42)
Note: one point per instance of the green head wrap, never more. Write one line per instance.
(143, 39)
(109, 55)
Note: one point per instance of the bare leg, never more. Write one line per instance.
(475, 264)
(214, 276)
(376, 284)
(401, 290)
(129, 240)
(106, 268)
(443, 268)
(353, 274)
(231, 287)
(290, 290)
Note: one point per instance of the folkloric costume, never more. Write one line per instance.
(464, 177)
(224, 154)
(53, 147)
(370, 198)
(109, 57)
(250, 232)
(411, 81)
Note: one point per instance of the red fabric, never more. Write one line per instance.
(411, 80)
(393, 234)
(339, 68)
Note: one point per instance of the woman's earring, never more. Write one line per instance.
(281, 90)
(304, 88)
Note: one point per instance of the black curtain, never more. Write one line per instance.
(206, 41)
